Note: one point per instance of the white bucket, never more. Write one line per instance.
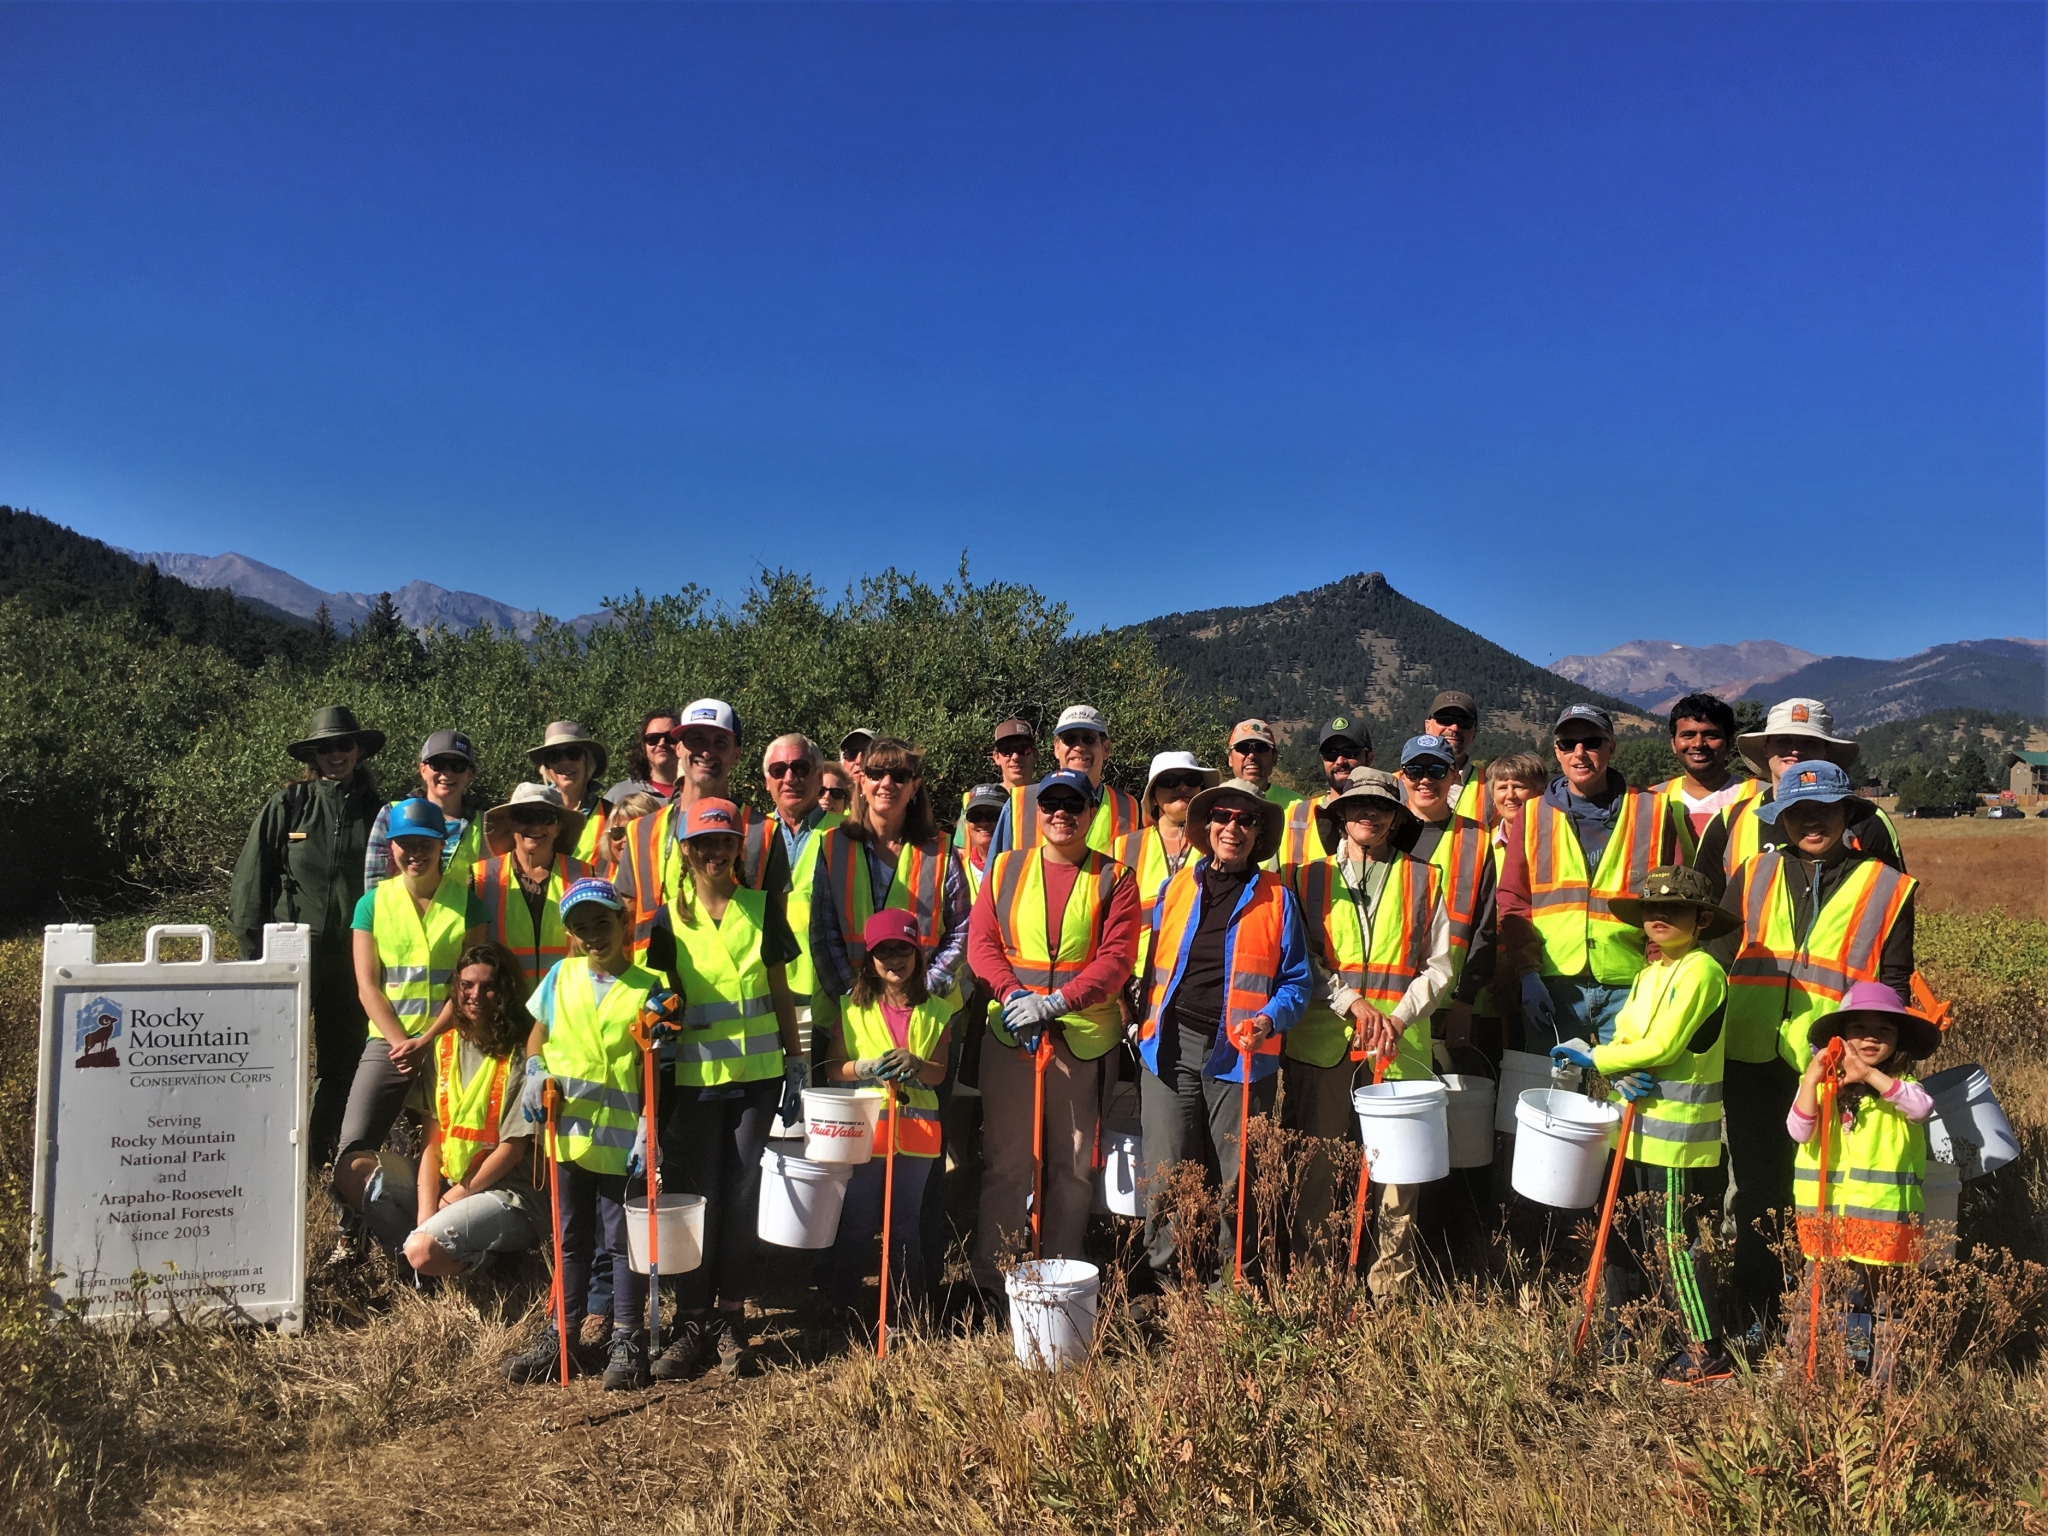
(1941, 1190)
(1561, 1153)
(1052, 1311)
(1968, 1128)
(800, 1199)
(1123, 1158)
(1519, 1072)
(839, 1124)
(1469, 1116)
(681, 1220)
(1403, 1128)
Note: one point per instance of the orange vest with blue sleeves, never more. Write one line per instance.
(1252, 956)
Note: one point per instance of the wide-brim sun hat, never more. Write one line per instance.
(1178, 762)
(1795, 717)
(526, 797)
(1919, 1036)
(1364, 784)
(1272, 819)
(567, 733)
(1673, 883)
(335, 723)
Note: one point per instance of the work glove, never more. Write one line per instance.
(1571, 1054)
(532, 1095)
(898, 1065)
(869, 1072)
(662, 1014)
(1634, 1085)
(636, 1160)
(1025, 1015)
(1539, 1013)
(796, 1076)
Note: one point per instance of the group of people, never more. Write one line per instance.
(1235, 946)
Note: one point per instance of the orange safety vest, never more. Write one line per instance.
(1464, 870)
(919, 888)
(1252, 954)
(1474, 800)
(509, 920)
(1116, 816)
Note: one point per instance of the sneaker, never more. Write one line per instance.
(596, 1331)
(626, 1371)
(735, 1351)
(1698, 1364)
(348, 1251)
(687, 1351)
(542, 1361)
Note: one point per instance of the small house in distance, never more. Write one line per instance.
(2028, 772)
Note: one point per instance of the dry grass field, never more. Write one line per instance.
(1298, 1408)
(1977, 865)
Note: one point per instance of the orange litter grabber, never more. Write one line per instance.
(1040, 1060)
(1830, 1085)
(1379, 1075)
(1244, 1125)
(1628, 1123)
(1926, 1002)
(551, 1096)
(888, 1209)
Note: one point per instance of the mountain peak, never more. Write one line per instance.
(1655, 674)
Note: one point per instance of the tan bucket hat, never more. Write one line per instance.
(530, 797)
(1272, 818)
(567, 733)
(1795, 717)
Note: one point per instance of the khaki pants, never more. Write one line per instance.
(1073, 1091)
(1397, 1240)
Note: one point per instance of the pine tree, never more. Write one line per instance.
(384, 622)
(323, 629)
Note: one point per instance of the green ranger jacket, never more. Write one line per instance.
(303, 862)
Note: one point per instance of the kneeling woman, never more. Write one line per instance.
(891, 1030)
(472, 1198)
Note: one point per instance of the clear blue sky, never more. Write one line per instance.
(1583, 323)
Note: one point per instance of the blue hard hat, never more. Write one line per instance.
(416, 818)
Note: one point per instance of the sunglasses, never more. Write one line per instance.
(339, 748)
(698, 740)
(1014, 746)
(1461, 720)
(532, 819)
(561, 757)
(835, 792)
(1424, 771)
(1250, 748)
(1062, 805)
(450, 765)
(1571, 744)
(1338, 749)
(892, 775)
(1224, 816)
(1177, 783)
(1083, 738)
(986, 819)
(798, 769)
(656, 739)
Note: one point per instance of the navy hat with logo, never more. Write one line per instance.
(1067, 778)
(1427, 749)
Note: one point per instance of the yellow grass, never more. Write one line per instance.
(1978, 865)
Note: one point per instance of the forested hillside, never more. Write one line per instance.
(1357, 646)
(1982, 675)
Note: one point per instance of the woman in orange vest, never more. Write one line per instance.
(521, 889)
(1226, 970)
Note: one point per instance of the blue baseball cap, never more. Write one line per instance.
(1418, 747)
(1820, 782)
(600, 891)
(1067, 778)
(417, 818)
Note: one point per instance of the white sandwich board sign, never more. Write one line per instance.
(171, 1109)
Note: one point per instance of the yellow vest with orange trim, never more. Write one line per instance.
(509, 919)
(919, 888)
(1116, 815)
(1301, 838)
(651, 860)
(1144, 854)
(1377, 958)
(1475, 798)
(1570, 910)
(866, 1033)
(1041, 964)
(1874, 1199)
(588, 847)
(467, 1114)
(1252, 954)
(1778, 986)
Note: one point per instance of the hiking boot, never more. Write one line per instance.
(735, 1350)
(626, 1371)
(1698, 1364)
(596, 1331)
(687, 1352)
(542, 1361)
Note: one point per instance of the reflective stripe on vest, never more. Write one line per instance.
(1379, 964)
(1017, 903)
(1461, 856)
(1251, 954)
(1571, 913)
(1874, 1196)
(866, 1033)
(1475, 798)
(1301, 838)
(418, 949)
(1679, 1125)
(802, 973)
(590, 1050)
(918, 887)
(1776, 986)
(730, 1032)
(1116, 816)
(470, 1113)
(587, 847)
(509, 916)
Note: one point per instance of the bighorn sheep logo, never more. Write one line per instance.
(99, 1025)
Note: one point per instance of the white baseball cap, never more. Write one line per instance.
(715, 713)
(1081, 717)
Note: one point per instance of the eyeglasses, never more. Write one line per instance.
(1062, 805)
(893, 775)
(1224, 816)
(657, 739)
(797, 769)
(561, 757)
(835, 792)
(450, 766)
(1177, 783)
(1083, 738)
(529, 820)
(1015, 746)
(1250, 748)
(1425, 771)
(1334, 750)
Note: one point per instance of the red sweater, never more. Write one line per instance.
(1101, 978)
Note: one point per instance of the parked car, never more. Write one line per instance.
(1931, 812)
(2043, 815)
(2006, 813)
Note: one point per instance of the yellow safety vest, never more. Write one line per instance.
(730, 1032)
(1571, 913)
(1017, 890)
(1380, 964)
(468, 1113)
(802, 973)
(1460, 857)
(1679, 1126)
(591, 1051)
(1875, 1199)
(866, 1033)
(1475, 798)
(1777, 986)
(418, 949)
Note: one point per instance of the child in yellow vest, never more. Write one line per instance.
(584, 1011)
(1875, 1147)
(891, 1030)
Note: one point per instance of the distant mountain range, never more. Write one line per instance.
(1655, 674)
(420, 603)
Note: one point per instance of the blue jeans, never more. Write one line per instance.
(861, 1218)
(1583, 1007)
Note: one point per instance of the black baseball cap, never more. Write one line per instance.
(1346, 728)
